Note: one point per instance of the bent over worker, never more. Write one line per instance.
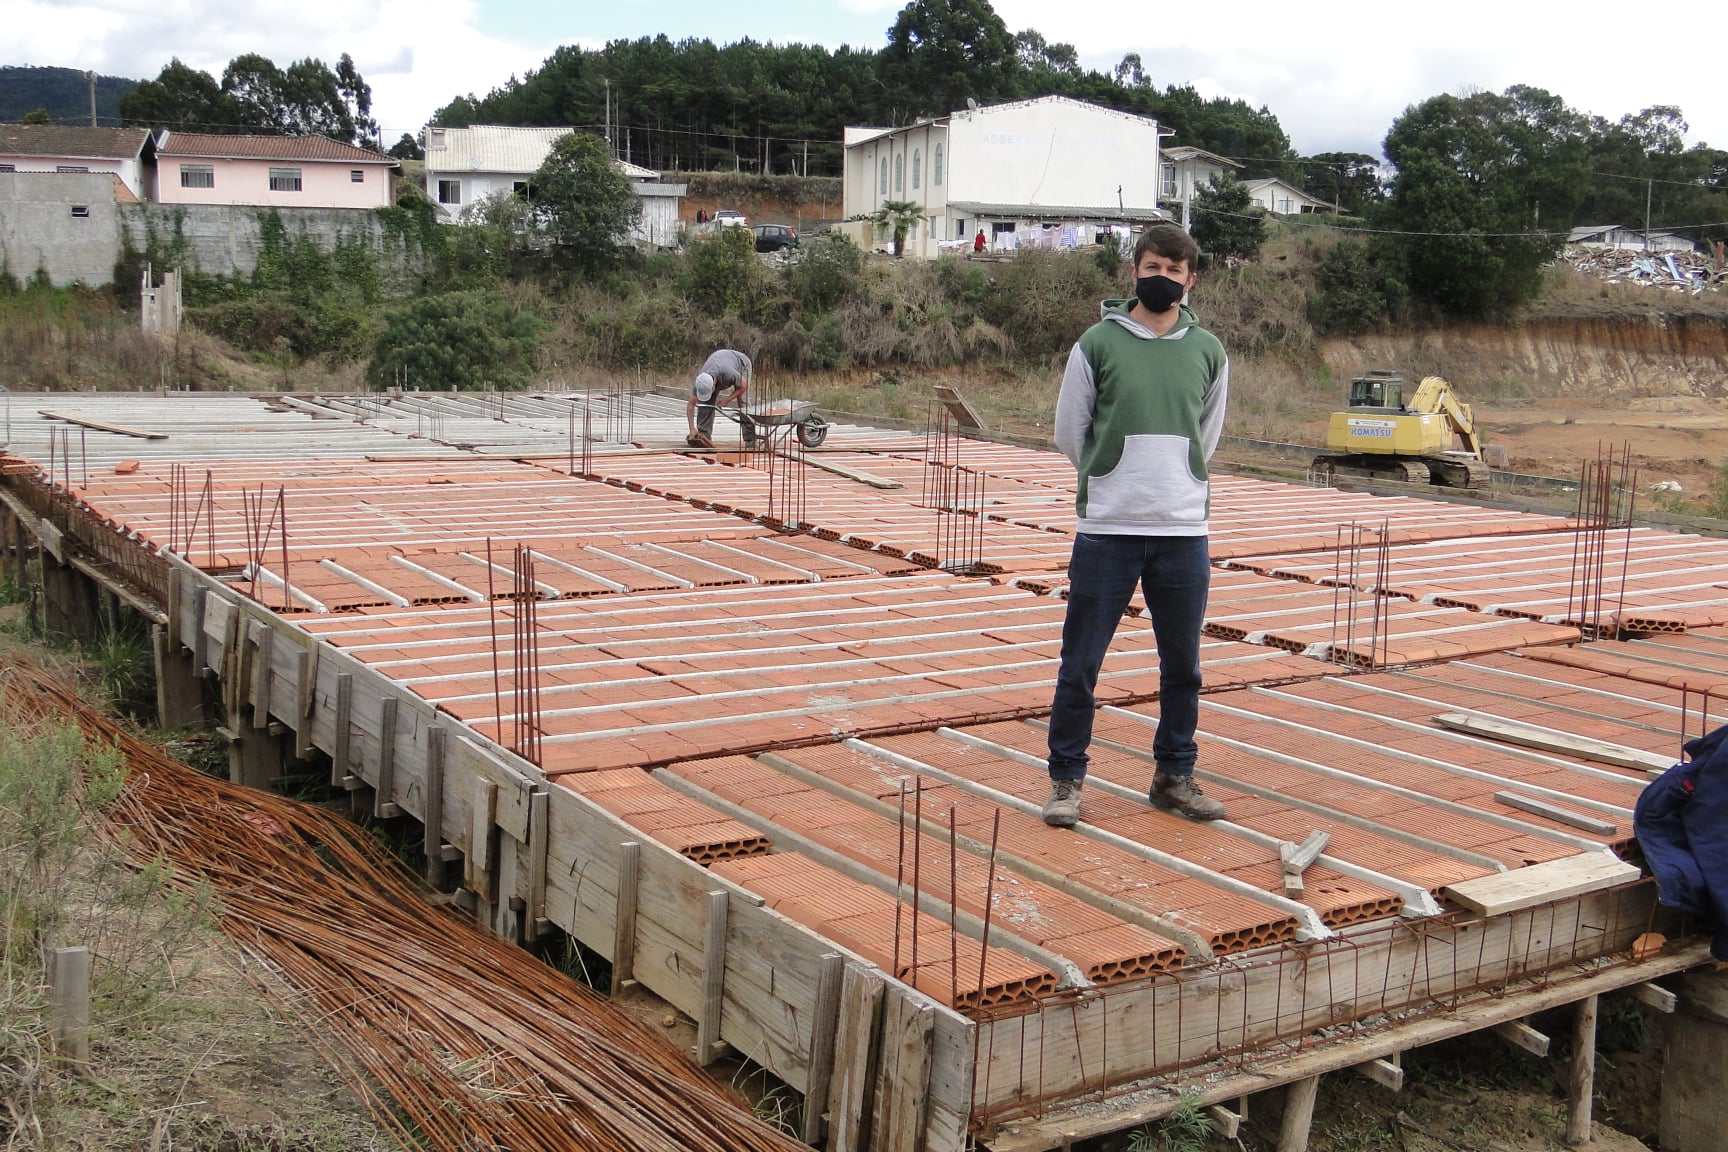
(1140, 411)
(723, 379)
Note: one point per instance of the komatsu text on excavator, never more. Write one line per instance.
(1428, 439)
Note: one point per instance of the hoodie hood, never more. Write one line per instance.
(1117, 310)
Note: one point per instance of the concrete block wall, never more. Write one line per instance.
(63, 223)
(225, 239)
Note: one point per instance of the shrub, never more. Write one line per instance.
(722, 273)
(824, 272)
(465, 341)
(1355, 289)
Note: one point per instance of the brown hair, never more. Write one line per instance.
(1169, 241)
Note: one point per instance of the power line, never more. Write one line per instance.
(1298, 222)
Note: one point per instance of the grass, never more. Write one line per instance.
(1187, 1129)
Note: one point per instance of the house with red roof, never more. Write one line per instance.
(69, 149)
(269, 172)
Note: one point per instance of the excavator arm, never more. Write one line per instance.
(1435, 395)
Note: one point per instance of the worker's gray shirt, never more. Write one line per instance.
(728, 368)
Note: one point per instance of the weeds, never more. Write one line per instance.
(1184, 1130)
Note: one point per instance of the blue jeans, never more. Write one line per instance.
(1174, 572)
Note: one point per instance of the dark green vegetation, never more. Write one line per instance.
(1226, 223)
(254, 95)
(62, 93)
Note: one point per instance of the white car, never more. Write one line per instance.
(727, 218)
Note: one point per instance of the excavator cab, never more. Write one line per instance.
(1390, 431)
(1378, 388)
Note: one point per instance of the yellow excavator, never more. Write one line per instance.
(1430, 438)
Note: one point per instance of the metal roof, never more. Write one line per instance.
(72, 142)
(1053, 211)
(305, 148)
(504, 148)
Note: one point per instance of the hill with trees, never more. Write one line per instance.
(62, 93)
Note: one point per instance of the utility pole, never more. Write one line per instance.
(1648, 185)
(608, 84)
(90, 78)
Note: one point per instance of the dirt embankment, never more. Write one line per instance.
(1587, 357)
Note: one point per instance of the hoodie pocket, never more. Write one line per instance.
(1151, 484)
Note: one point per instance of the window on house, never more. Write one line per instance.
(936, 167)
(884, 174)
(357, 175)
(1169, 192)
(449, 191)
(70, 168)
(197, 176)
(80, 211)
(284, 179)
(900, 172)
(8, 167)
(1284, 206)
(917, 165)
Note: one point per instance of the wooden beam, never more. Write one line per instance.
(479, 872)
(903, 1092)
(384, 798)
(534, 918)
(433, 807)
(624, 916)
(1383, 1072)
(858, 474)
(1225, 1123)
(822, 1043)
(1298, 858)
(263, 638)
(1521, 1035)
(344, 729)
(1542, 883)
(962, 412)
(1556, 813)
(713, 979)
(306, 694)
(1654, 996)
(1581, 1077)
(100, 426)
(851, 1091)
(1549, 740)
(1298, 1115)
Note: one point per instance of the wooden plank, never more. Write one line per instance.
(713, 979)
(479, 868)
(233, 664)
(101, 426)
(175, 580)
(534, 918)
(1521, 1035)
(262, 640)
(851, 1090)
(1383, 1072)
(822, 1046)
(200, 602)
(305, 688)
(815, 460)
(1298, 858)
(1655, 996)
(1581, 1076)
(1225, 1123)
(903, 1079)
(1549, 740)
(433, 816)
(1543, 883)
(69, 1003)
(384, 796)
(344, 733)
(1557, 814)
(624, 918)
(1298, 1115)
(963, 413)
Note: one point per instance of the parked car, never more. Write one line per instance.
(773, 237)
(729, 218)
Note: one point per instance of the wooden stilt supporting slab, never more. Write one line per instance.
(1298, 1115)
(179, 692)
(624, 917)
(1581, 1081)
(1384, 1073)
(1691, 1105)
(1521, 1035)
(433, 809)
(534, 920)
(1654, 996)
(856, 1034)
(713, 979)
(1225, 1123)
(175, 584)
(384, 797)
(822, 1045)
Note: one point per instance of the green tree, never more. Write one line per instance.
(38, 115)
(825, 271)
(587, 204)
(942, 51)
(1350, 180)
(181, 99)
(723, 273)
(254, 95)
(896, 217)
(1357, 288)
(1487, 186)
(1226, 220)
(407, 148)
(466, 341)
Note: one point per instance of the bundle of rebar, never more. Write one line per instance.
(476, 1043)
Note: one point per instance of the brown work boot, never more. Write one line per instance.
(1062, 810)
(1182, 795)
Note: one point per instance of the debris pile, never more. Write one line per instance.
(1694, 272)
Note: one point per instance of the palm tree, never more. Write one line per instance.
(898, 216)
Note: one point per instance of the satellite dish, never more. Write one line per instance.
(971, 103)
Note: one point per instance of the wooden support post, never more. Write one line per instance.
(69, 979)
(1384, 1073)
(200, 606)
(343, 735)
(255, 758)
(851, 1090)
(1654, 996)
(1581, 1082)
(1691, 1107)
(624, 917)
(433, 809)
(263, 641)
(179, 693)
(822, 1021)
(384, 798)
(1298, 1115)
(713, 980)
(480, 867)
(306, 699)
(534, 920)
(903, 1098)
(1521, 1035)
(1225, 1123)
(175, 586)
(233, 657)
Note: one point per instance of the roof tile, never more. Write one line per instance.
(71, 141)
(310, 148)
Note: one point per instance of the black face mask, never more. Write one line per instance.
(1158, 294)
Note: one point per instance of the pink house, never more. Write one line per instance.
(269, 172)
(125, 152)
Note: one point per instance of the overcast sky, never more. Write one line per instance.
(1335, 75)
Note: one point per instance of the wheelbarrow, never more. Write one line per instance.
(800, 415)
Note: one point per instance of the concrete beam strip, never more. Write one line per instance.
(689, 559)
(801, 573)
(1418, 901)
(972, 926)
(441, 581)
(551, 591)
(375, 589)
(613, 585)
(1438, 847)
(641, 567)
(1309, 924)
(263, 575)
(1550, 683)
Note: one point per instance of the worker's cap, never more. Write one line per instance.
(704, 386)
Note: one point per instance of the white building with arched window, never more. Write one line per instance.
(1027, 173)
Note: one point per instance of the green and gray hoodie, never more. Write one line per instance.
(1139, 416)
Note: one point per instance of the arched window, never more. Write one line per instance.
(900, 172)
(936, 167)
(884, 174)
(917, 167)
